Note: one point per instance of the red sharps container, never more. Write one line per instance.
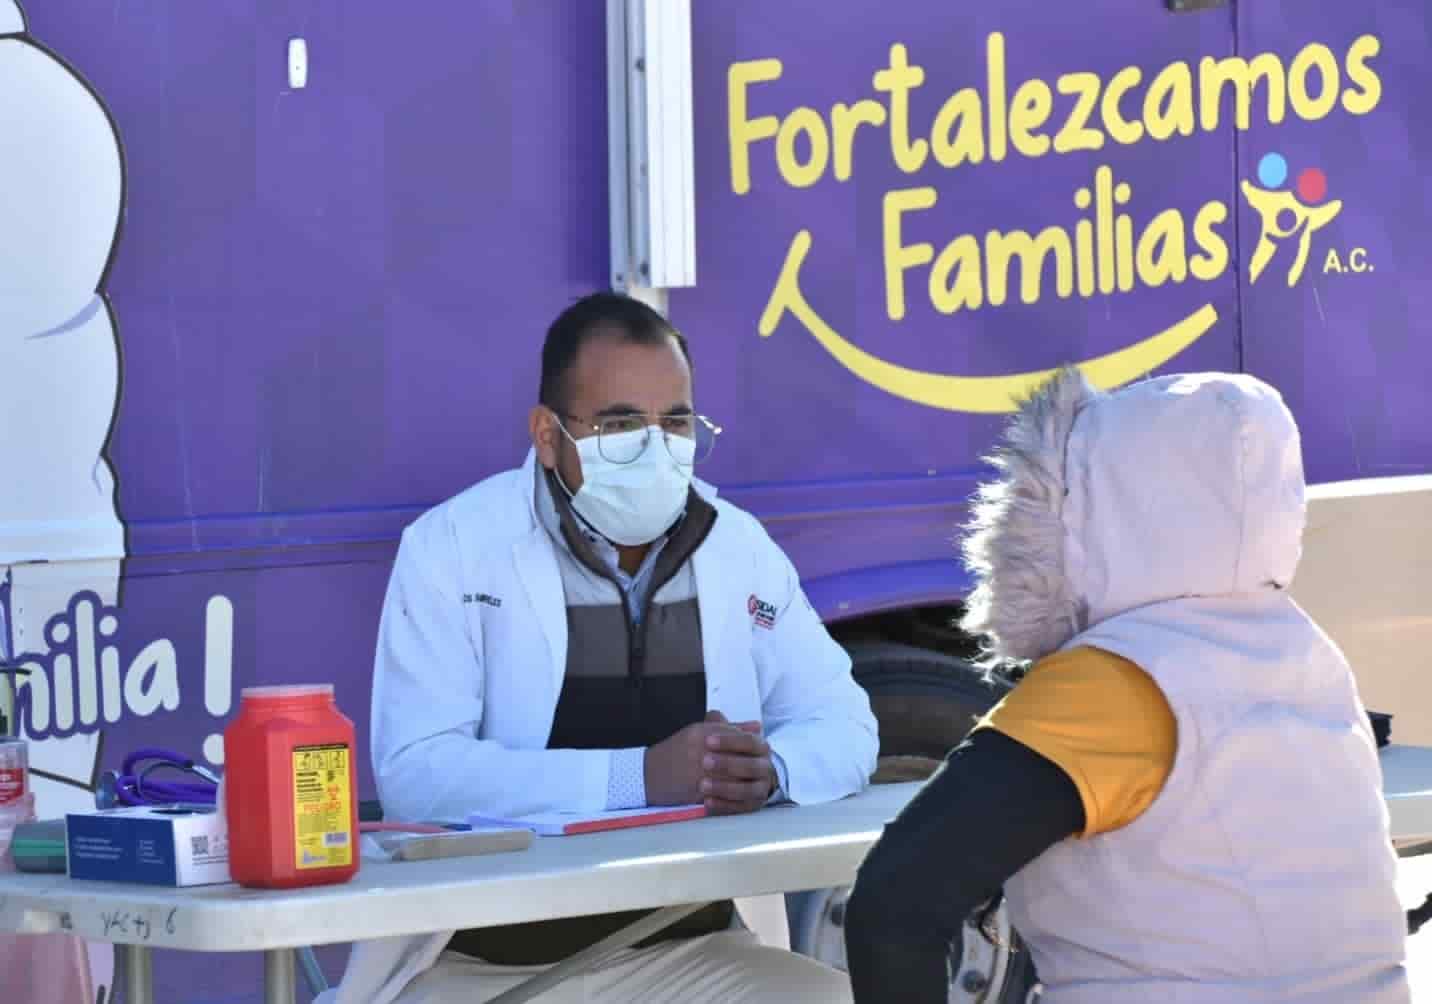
(289, 789)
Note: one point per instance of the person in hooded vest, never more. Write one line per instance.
(1181, 797)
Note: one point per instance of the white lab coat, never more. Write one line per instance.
(471, 655)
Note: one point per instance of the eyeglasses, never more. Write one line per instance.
(617, 445)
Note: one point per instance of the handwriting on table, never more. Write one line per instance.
(141, 925)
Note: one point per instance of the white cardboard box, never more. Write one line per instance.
(154, 845)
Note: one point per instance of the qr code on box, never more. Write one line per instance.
(199, 845)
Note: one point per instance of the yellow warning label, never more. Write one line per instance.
(322, 807)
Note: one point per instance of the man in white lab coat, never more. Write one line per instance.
(597, 631)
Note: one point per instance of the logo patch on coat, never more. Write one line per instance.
(763, 614)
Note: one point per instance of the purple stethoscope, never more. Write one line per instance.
(134, 785)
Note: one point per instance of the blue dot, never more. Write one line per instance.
(1272, 170)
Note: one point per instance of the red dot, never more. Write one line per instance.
(1312, 185)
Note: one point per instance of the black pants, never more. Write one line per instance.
(991, 808)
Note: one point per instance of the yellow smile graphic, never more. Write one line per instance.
(988, 394)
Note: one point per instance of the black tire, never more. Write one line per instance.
(935, 629)
(925, 703)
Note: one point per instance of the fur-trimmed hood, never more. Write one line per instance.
(1179, 486)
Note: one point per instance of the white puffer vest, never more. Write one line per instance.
(1163, 523)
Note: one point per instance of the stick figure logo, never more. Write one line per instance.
(1287, 215)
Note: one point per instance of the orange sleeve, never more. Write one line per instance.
(1104, 722)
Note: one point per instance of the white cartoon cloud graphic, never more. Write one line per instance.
(61, 200)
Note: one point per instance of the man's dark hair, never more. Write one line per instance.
(598, 314)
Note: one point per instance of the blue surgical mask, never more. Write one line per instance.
(633, 504)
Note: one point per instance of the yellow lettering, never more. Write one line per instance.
(1104, 226)
(996, 88)
(1332, 263)
(1357, 260)
(1369, 84)
(961, 116)
(962, 258)
(1124, 248)
(1320, 58)
(1162, 255)
(1030, 110)
(1084, 256)
(744, 131)
(1076, 135)
(898, 80)
(1002, 248)
(899, 257)
(1120, 128)
(1214, 260)
(845, 120)
(805, 121)
(1215, 74)
(1168, 105)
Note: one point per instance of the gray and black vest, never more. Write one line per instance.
(634, 675)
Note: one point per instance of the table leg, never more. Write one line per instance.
(574, 964)
(279, 972)
(137, 969)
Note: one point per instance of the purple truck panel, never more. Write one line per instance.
(329, 302)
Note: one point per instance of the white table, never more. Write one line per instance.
(1407, 786)
(680, 865)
